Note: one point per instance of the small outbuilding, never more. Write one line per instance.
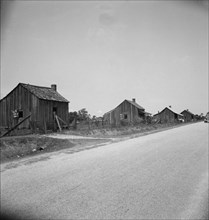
(168, 115)
(34, 107)
(188, 116)
(127, 112)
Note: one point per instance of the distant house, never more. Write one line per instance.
(188, 116)
(41, 103)
(206, 117)
(127, 112)
(168, 115)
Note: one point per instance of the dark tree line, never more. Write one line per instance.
(80, 116)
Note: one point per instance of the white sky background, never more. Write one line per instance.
(102, 52)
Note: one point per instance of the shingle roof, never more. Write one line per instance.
(45, 93)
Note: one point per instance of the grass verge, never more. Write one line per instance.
(13, 148)
(18, 147)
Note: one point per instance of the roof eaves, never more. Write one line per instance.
(45, 99)
(109, 111)
(42, 87)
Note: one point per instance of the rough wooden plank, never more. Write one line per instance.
(16, 126)
(57, 120)
(62, 120)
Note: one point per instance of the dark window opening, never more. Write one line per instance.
(55, 110)
(20, 113)
(125, 116)
(140, 113)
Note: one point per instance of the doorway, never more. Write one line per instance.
(54, 110)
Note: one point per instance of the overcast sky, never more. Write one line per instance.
(102, 52)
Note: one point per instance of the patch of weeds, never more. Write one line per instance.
(21, 147)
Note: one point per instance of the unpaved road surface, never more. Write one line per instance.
(159, 176)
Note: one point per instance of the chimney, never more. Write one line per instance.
(54, 87)
(134, 100)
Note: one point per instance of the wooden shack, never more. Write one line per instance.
(168, 115)
(126, 113)
(188, 116)
(39, 104)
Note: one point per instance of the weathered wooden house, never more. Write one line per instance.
(39, 104)
(188, 116)
(168, 115)
(128, 112)
(206, 119)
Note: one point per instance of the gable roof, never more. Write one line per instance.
(131, 102)
(46, 93)
(175, 112)
(135, 104)
(187, 111)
